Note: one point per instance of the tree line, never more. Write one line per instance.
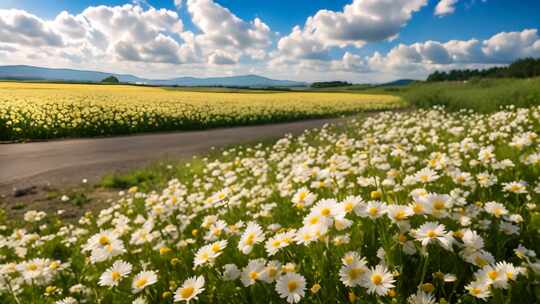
(330, 84)
(522, 68)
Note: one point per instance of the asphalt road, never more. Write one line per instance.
(67, 162)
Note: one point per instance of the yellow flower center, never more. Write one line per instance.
(400, 215)
(115, 276)
(253, 275)
(272, 272)
(475, 291)
(292, 286)
(216, 248)
(250, 239)
(355, 273)
(480, 261)
(373, 211)
(141, 282)
(431, 233)
(187, 292)
(438, 204)
(376, 279)
(348, 207)
(492, 274)
(104, 240)
(325, 211)
(31, 267)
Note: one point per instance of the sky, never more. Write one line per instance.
(309, 40)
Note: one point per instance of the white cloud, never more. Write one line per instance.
(445, 7)
(152, 42)
(502, 48)
(224, 31)
(507, 46)
(419, 59)
(178, 3)
(22, 28)
(222, 58)
(360, 22)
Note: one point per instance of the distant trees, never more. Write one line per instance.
(522, 68)
(330, 84)
(110, 79)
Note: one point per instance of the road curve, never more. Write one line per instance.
(65, 162)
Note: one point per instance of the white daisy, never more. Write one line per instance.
(291, 286)
(143, 279)
(190, 289)
(113, 275)
(378, 280)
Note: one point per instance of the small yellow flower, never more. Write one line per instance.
(164, 250)
(428, 287)
(375, 194)
(315, 288)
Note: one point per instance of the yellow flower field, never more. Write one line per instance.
(29, 110)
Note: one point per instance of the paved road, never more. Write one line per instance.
(67, 162)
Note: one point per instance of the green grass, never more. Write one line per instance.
(481, 95)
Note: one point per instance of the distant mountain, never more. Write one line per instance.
(25, 72)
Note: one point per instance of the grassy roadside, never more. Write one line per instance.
(480, 95)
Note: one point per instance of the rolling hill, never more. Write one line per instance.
(25, 72)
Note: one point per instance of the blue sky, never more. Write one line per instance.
(315, 54)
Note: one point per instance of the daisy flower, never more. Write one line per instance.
(113, 275)
(143, 279)
(271, 272)
(515, 187)
(68, 300)
(378, 280)
(230, 272)
(421, 297)
(352, 274)
(252, 272)
(479, 289)
(426, 175)
(373, 209)
(251, 236)
(190, 289)
(430, 232)
(303, 197)
(291, 286)
(399, 212)
(496, 209)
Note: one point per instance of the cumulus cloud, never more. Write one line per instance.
(502, 48)
(360, 22)
(445, 7)
(20, 27)
(131, 33)
(224, 31)
(419, 59)
(222, 58)
(144, 40)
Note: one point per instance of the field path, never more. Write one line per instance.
(67, 162)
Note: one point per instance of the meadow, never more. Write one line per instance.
(47, 110)
(420, 207)
(480, 95)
